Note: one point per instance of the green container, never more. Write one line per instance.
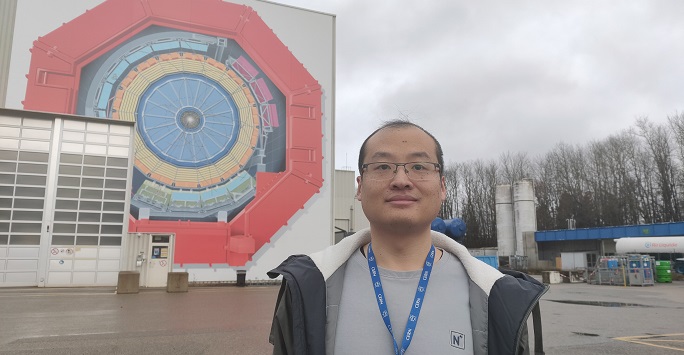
(663, 263)
(667, 272)
(663, 279)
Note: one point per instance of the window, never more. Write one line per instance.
(115, 184)
(92, 182)
(110, 241)
(65, 216)
(7, 179)
(8, 155)
(70, 170)
(88, 217)
(94, 160)
(24, 240)
(121, 162)
(31, 180)
(66, 204)
(19, 215)
(62, 240)
(32, 168)
(71, 158)
(30, 191)
(69, 193)
(69, 181)
(86, 240)
(26, 203)
(91, 194)
(31, 156)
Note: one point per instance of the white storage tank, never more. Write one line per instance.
(524, 212)
(505, 229)
(650, 245)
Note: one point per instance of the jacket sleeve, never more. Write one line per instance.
(298, 326)
(511, 300)
(281, 328)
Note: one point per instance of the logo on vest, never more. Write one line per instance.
(457, 340)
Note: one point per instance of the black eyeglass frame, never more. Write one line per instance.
(438, 167)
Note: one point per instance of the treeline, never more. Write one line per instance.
(633, 177)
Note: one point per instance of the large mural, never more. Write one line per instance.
(228, 141)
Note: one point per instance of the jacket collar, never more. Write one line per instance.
(330, 259)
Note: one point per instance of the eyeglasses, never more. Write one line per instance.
(387, 171)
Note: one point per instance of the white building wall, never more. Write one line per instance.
(8, 10)
(63, 198)
(309, 35)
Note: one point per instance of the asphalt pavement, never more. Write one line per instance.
(578, 319)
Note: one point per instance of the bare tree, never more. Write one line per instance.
(631, 177)
(514, 167)
(450, 207)
(658, 143)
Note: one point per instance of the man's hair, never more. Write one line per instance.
(400, 123)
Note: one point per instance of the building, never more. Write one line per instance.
(349, 216)
(595, 242)
(233, 107)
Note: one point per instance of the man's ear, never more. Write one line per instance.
(358, 188)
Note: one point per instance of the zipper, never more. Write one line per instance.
(527, 315)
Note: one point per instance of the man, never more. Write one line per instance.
(398, 286)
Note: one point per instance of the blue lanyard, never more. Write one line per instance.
(417, 301)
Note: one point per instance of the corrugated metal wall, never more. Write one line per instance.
(8, 11)
(348, 213)
(345, 193)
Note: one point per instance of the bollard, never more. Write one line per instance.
(177, 282)
(551, 277)
(129, 282)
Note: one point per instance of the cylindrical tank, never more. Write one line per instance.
(505, 231)
(438, 225)
(649, 245)
(455, 229)
(524, 212)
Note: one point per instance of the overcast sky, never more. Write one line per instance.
(487, 77)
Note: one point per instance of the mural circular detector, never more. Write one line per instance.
(204, 127)
(189, 129)
(108, 62)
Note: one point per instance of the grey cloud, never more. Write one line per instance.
(490, 76)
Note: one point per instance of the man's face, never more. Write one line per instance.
(400, 203)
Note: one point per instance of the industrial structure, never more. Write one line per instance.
(516, 219)
(522, 246)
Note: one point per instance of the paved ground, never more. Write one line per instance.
(614, 319)
(226, 320)
(231, 320)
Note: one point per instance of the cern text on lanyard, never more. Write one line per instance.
(417, 301)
